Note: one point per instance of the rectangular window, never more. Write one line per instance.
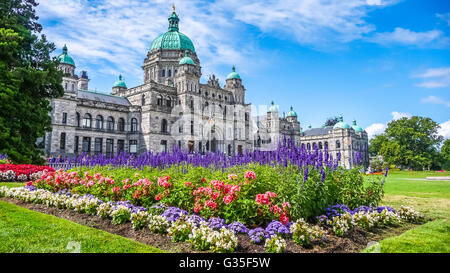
(75, 148)
(62, 141)
(86, 146)
(133, 146)
(64, 119)
(109, 147)
(163, 145)
(120, 145)
(192, 127)
(98, 145)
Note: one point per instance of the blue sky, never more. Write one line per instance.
(369, 60)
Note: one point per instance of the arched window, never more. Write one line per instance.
(163, 73)
(314, 145)
(164, 126)
(87, 120)
(169, 102)
(338, 144)
(143, 100)
(78, 119)
(169, 73)
(326, 145)
(99, 122)
(110, 124)
(159, 100)
(121, 124)
(320, 146)
(134, 125)
(308, 146)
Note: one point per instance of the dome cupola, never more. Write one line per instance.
(233, 74)
(173, 39)
(120, 83)
(341, 124)
(186, 59)
(292, 113)
(273, 108)
(64, 58)
(356, 127)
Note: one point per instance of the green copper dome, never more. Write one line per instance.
(186, 59)
(292, 113)
(120, 83)
(64, 58)
(273, 107)
(233, 74)
(173, 39)
(341, 124)
(356, 127)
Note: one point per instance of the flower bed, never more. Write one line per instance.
(252, 194)
(22, 173)
(214, 234)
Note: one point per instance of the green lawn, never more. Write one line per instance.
(23, 230)
(432, 198)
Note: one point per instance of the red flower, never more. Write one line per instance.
(284, 219)
(159, 196)
(211, 204)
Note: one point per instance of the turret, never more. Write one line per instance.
(83, 81)
(234, 84)
(67, 66)
(188, 75)
(119, 87)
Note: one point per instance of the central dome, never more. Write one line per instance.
(173, 39)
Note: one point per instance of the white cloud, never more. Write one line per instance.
(399, 115)
(375, 129)
(434, 77)
(436, 100)
(378, 128)
(401, 36)
(445, 129)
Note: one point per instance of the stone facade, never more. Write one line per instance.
(171, 108)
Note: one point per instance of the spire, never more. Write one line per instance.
(292, 108)
(120, 77)
(354, 122)
(173, 20)
(64, 49)
(233, 69)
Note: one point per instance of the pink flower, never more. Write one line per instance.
(97, 176)
(30, 183)
(159, 196)
(136, 175)
(215, 195)
(211, 204)
(286, 204)
(115, 189)
(250, 175)
(228, 199)
(188, 184)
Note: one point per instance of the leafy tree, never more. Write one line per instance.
(409, 142)
(29, 78)
(376, 143)
(445, 154)
(331, 121)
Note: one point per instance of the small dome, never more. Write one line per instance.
(233, 74)
(292, 113)
(273, 107)
(356, 127)
(186, 59)
(341, 124)
(64, 58)
(120, 83)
